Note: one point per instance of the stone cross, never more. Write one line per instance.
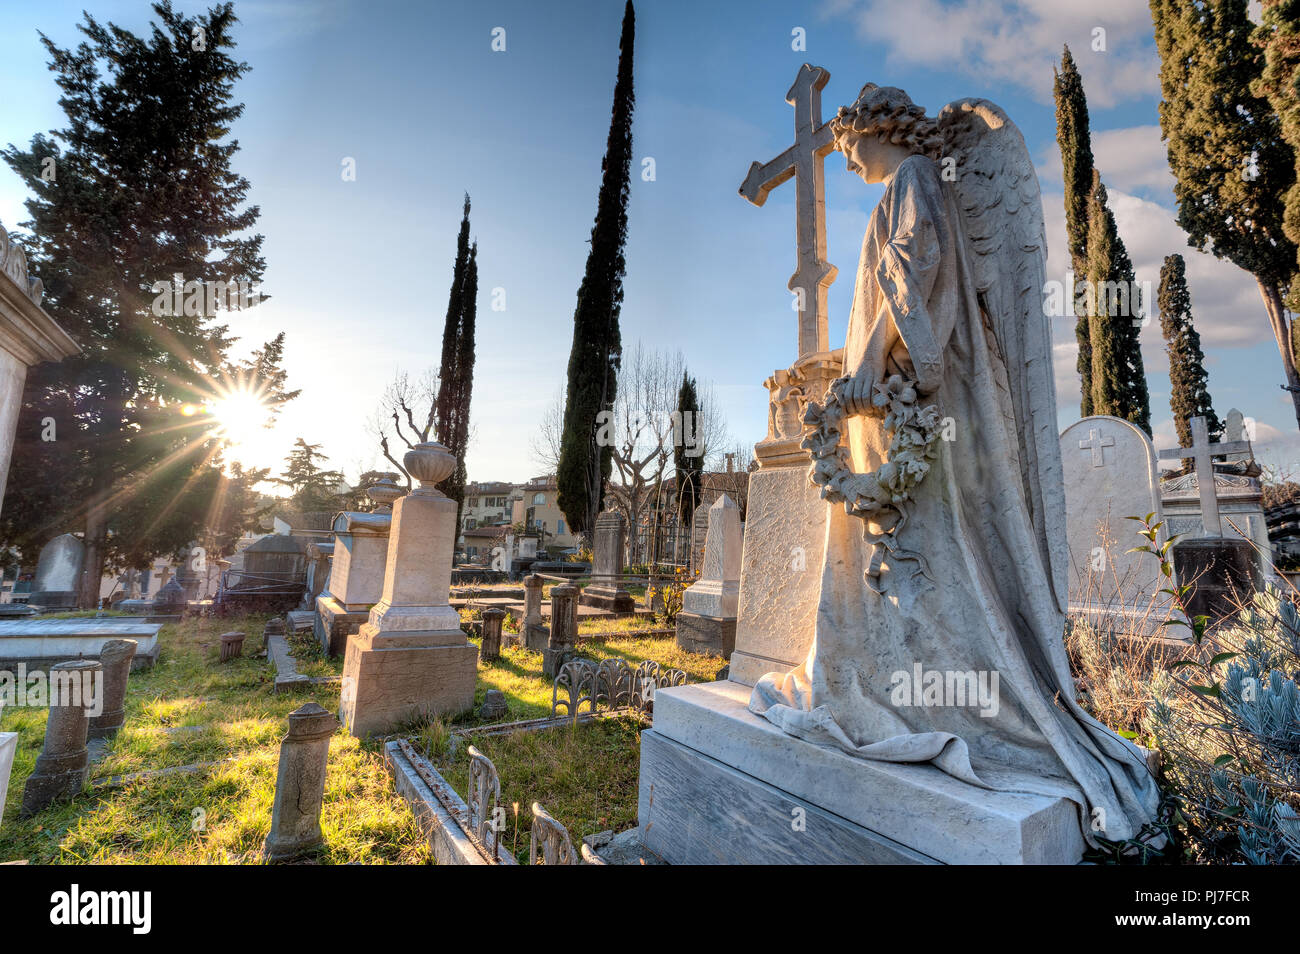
(1203, 453)
(1095, 443)
(803, 160)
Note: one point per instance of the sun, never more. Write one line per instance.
(240, 416)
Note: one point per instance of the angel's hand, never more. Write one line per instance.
(856, 395)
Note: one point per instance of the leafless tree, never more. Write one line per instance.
(642, 432)
(406, 413)
(545, 445)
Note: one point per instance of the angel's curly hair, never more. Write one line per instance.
(889, 113)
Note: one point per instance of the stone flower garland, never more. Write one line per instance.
(914, 442)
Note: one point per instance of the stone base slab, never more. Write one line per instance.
(43, 642)
(608, 597)
(390, 680)
(335, 623)
(725, 783)
(706, 634)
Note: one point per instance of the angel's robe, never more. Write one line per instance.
(898, 675)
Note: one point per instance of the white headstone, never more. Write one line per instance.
(717, 593)
(8, 747)
(360, 558)
(58, 572)
(1110, 474)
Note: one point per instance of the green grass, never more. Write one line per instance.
(586, 777)
(220, 815)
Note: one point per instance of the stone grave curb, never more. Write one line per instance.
(286, 671)
(447, 839)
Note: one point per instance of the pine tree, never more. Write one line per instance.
(690, 466)
(1189, 396)
(585, 462)
(1075, 141)
(141, 190)
(1119, 384)
(456, 377)
(314, 488)
(1230, 163)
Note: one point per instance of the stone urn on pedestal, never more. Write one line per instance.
(384, 493)
(411, 660)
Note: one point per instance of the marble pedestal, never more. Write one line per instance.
(781, 565)
(392, 678)
(334, 623)
(411, 660)
(720, 785)
(706, 634)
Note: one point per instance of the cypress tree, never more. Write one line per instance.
(1278, 35)
(1189, 396)
(456, 375)
(1074, 139)
(690, 468)
(585, 460)
(1119, 385)
(1230, 163)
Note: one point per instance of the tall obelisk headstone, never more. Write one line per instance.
(785, 527)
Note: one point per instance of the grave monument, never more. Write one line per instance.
(943, 562)
(411, 659)
(707, 620)
(58, 574)
(606, 590)
(1222, 569)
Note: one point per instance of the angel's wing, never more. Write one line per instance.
(1002, 211)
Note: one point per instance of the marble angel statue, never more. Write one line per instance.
(948, 555)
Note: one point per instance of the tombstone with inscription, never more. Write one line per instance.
(1110, 474)
(606, 590)
(1223, 568)
(707, 620)
(58, 574)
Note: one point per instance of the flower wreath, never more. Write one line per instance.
(914, 442)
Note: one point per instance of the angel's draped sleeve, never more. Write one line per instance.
(910, 264)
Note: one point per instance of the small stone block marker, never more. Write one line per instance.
(64, 764)
(564, 628)
(115, 657)
(300, 784)
(492, 618)
(494, 706)
(232, 646)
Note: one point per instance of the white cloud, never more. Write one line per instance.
(1131, 159)
(1017, 41)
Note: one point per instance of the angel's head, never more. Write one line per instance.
(882, 127)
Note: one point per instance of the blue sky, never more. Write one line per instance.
(359, 270)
